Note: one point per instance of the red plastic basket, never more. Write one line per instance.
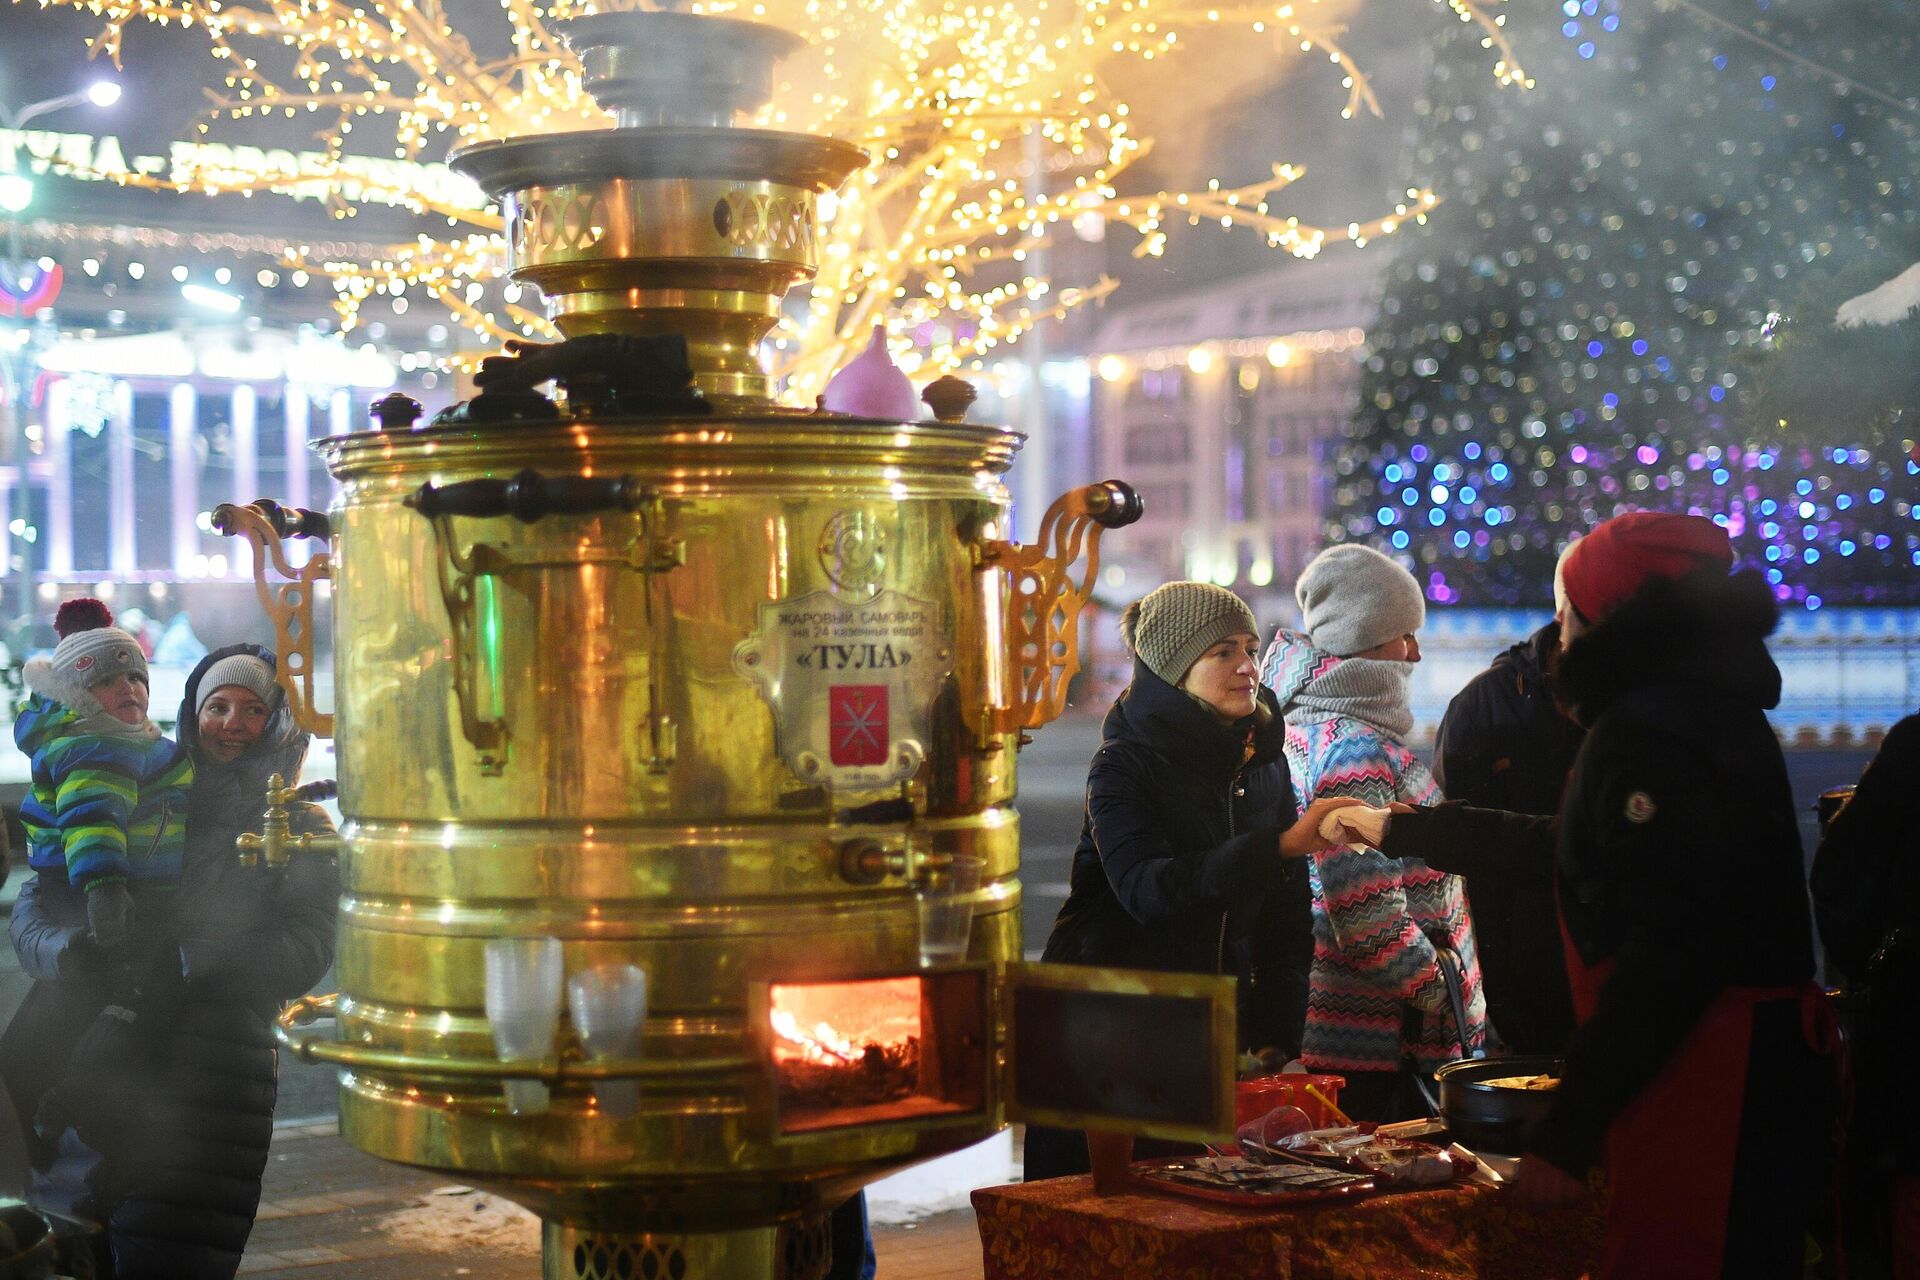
(1317, 1095)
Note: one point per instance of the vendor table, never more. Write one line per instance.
(1060, 1227)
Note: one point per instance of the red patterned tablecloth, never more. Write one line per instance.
(1060, 1228)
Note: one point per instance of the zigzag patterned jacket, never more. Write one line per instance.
(1376, 997)
(102, 806)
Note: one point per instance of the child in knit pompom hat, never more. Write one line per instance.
(1377, 999)
(106, 809)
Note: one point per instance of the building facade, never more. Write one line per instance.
(1221, 407)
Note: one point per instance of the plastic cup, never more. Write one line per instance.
(525, 990)
(608, 1005)
(945, 899)
(1258, 1138)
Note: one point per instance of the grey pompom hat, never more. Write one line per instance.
(1353, 598)
(1171, 626)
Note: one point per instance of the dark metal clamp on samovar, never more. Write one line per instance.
(652, 687)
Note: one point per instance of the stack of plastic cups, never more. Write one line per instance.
(525, 980)
(609, 1006)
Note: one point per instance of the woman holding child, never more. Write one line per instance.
(159, 1122)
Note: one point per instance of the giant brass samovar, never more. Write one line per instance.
(686, 680)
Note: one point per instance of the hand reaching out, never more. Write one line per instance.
(1305, 836)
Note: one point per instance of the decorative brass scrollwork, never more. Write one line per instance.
(1042, 623)
(265, 524)
(467, 575)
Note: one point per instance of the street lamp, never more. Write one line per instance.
(101, 93)
(16, 195)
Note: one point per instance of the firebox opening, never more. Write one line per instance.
(878, 1050)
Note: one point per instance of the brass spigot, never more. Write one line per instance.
(865, 861)
(277, 841)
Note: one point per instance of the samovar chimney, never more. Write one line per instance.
(660, 69)
(679, 219)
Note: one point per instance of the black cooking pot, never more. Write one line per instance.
(1489, 1119)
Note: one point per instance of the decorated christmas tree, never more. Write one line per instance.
(1588, 324)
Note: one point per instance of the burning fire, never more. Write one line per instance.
(825, 1046)
(833, 1024)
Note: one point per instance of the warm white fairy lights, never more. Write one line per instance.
(992, 124)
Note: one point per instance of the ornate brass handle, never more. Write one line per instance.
(1042, 622)
(266, 524)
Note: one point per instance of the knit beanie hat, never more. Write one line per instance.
(242, 669)
(1623, 554)
(1353, 598)
(1171, 626)
(91, 648)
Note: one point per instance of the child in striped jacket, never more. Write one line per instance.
(106, 813)
(1379, 1009)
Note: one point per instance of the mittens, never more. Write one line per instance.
(109, 912)
(1356, 824)
(95, 1095)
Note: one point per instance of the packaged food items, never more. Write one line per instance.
(1391, 1161)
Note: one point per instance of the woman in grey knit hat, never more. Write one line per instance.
(1189, 858)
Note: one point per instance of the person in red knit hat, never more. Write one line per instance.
(1700, 1077)
(1602, 570)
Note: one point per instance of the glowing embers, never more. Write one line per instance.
(878, 1050)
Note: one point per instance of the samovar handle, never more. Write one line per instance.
(528, 496)
(1042, 615)
(266, 525)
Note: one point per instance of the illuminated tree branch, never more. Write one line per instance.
(991, 122)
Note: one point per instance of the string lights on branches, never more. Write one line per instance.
(992, 123)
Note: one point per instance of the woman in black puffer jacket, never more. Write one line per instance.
(175, 1172)
(1189, 857)
(1701, 1077)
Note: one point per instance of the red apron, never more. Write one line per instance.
(1669, 1157)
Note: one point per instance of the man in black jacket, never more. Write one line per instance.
(1506, 744)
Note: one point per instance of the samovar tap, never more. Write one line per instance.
(275, 840)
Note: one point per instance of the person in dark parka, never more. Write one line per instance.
(177, 1179)
(1188, 856)
(1866, 900)
(1505, 743)
(1702, 1073)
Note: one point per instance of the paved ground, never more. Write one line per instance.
(331, 1213)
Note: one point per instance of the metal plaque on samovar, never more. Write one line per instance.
(851, 684)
